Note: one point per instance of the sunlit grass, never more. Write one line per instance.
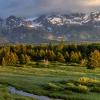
(32, 79)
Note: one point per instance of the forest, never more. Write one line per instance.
(20, 54)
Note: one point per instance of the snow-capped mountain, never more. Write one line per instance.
(70, 27)
(70, 19)
(55, 20)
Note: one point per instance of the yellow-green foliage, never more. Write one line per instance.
(85, 80)
(94, 59)
(77, 88)
(82, 89)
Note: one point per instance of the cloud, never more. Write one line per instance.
(92, 2)
(37, 7)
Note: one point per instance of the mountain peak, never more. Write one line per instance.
(72, 27)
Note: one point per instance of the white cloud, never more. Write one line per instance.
(92, 3)
(36, 7)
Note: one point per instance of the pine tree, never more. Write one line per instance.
(50, 55)
(24, 59)
(75, 57)
(66, 55)
(60, 57)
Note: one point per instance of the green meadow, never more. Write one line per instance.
(55, 80)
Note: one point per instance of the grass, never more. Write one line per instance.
(46, 80)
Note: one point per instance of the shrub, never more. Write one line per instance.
(82, 89)
(53, 86)
(79, 88)
(86, 80)
(70, 84)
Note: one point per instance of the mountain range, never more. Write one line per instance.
(52, 27)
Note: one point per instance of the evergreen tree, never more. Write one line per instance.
(75, 57)
(50, 55)
(66, 55)
(60, 57)
(24, 59)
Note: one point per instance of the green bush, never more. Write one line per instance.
(82, 89)
(53, 86)
(79, 88)
(70, 84)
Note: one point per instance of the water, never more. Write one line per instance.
(13, 90)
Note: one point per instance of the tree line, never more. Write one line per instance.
(83, 54)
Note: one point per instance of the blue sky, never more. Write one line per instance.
(36, 7)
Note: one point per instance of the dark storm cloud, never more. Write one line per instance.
(37, 7)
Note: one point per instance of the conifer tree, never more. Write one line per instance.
(60, 57)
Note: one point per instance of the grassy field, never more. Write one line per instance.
(56, 80)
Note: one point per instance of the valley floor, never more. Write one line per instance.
(51, 80)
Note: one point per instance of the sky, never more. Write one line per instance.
(30, 8)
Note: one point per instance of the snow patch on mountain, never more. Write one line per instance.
(61, 20)
(56, 20)
(35, 25)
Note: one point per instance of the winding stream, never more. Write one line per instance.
(13, 90)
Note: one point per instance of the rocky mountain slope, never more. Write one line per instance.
(52, 27)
